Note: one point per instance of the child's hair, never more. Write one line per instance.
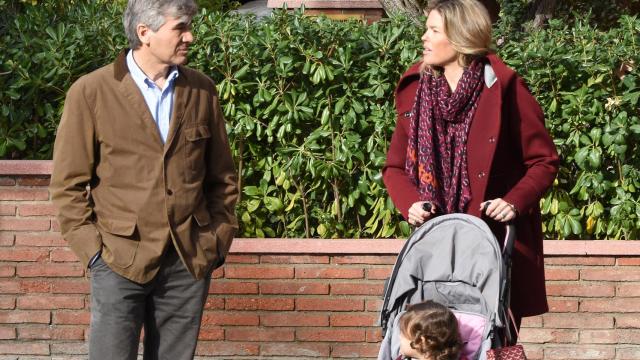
(432, 330)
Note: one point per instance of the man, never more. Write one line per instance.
(145, 186)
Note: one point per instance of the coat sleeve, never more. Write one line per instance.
(539, 154)
(402, 190)
(221, 183)
(73, 169)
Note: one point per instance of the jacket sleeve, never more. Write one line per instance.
(221, 183)
(402, 190)
(539, 154)
(73, 169)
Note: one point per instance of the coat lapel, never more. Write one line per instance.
(181, 96)
(129, 88)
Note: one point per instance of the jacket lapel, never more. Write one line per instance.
(129, 88)
(181, 96)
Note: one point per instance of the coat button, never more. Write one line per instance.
(481, 174)
(169, 192)
(492, 139)
(407, 114)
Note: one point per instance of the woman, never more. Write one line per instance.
(468, 135)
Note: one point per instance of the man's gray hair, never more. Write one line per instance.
(152, 13)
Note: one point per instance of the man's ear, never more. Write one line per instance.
(144, 33)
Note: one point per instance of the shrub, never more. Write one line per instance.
(45, 49)
(587, 82)
(309, 104)
(311, 107)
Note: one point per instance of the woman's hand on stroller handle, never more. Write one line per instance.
(420, 212)
(499, 210)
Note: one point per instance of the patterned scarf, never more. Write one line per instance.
(437, 150)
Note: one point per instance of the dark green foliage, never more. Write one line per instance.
(515, 15)
(587, 82)
(309, 104)
(45, 49)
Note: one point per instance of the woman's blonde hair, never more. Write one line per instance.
(467, 25)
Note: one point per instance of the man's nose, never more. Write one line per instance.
(187, 37)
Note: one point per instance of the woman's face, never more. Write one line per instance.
(437, 48)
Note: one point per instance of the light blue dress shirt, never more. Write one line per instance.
(159, 101)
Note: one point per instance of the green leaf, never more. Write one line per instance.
(285, 60)
(576, 227)
(607, 139)
(581, 156)
(242, 72)
(251, 190)
(595, 158)
(322, 230)
(339, 105)
(295, 197)
(405, 228)
(252, 205)
(554, 207)
(273, 204)
(324, 119)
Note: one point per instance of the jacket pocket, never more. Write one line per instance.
(224, 238)
(120, 241)
(214, 242)
(195, 149)
(119, 227)
(197, 133)
(203, 234)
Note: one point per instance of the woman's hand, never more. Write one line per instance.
(499, 210)
(417, 214)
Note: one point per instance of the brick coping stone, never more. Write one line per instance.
(352, 246)
(325, 4)
(393, 246)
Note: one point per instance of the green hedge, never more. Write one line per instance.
(309, 104)
(45, 49)
(587, 82)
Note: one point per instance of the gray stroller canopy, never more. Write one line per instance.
(454, 260)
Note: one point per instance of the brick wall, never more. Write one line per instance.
(293, 298)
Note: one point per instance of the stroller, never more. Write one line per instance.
(455, 260)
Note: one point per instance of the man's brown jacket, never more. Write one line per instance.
(144, 194)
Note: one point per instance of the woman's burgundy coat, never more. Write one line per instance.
(510, 155)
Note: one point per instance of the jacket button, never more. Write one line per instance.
(481, 174)
(169, 192)
(407, 114)
(492, 139)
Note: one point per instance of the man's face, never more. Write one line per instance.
(170, 44)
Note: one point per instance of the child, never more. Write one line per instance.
(429, 331)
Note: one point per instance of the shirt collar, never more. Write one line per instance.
(139, 76)
(490, 77)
